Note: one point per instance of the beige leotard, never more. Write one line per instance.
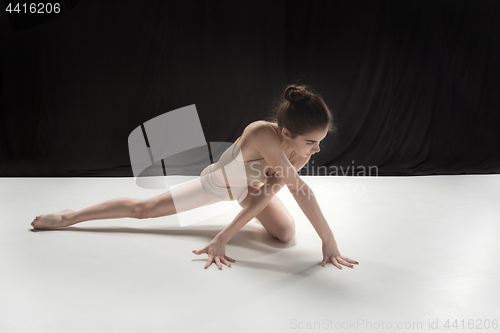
(231, 177)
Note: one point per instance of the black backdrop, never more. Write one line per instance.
(414, 84)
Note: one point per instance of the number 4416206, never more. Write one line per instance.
(34, 8)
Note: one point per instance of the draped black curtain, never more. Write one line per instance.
(414, 85)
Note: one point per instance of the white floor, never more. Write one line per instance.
(428, 249)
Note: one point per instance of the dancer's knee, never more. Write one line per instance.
(140, 209)
(288, 236)
(287, 229)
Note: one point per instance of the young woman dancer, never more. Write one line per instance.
(272, 153)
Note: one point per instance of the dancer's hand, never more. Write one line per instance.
(216, 251)
(331, 253)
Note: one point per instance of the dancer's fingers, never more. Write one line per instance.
(225, 262)
(343, 262)
(352, 261)
(209, 262)
(200, 251)
(229, 258)
(217, 262)
(335, 263)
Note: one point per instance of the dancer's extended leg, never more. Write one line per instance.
(182, 198)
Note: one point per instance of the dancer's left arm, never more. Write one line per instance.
(306, 199)
(270, 148)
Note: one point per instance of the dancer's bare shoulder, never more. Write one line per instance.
(266, 141)
(261, 123)
(265, 134)
(258, 133)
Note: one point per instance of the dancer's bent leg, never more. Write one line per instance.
(187, 196)
(275, 218)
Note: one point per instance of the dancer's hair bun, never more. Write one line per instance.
(295, 94)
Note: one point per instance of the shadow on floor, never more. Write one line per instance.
(246, 238)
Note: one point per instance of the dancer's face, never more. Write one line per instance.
(308, 144)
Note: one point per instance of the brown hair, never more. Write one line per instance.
(301, 110)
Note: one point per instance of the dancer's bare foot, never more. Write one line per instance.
(52, 221)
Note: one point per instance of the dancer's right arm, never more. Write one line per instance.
(216, 249)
